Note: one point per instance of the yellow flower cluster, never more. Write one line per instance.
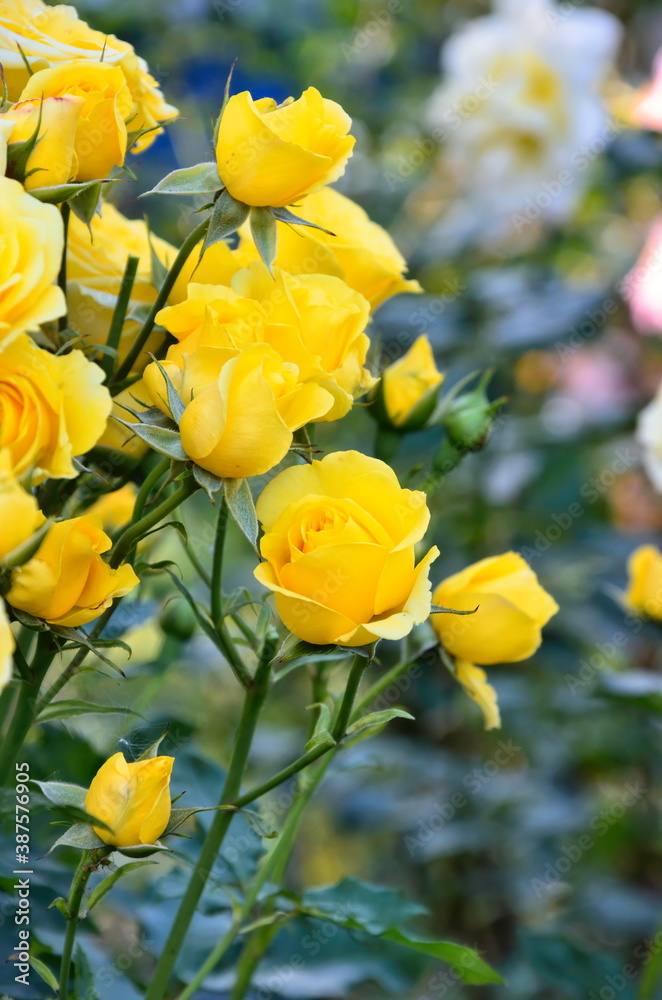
(260, 339)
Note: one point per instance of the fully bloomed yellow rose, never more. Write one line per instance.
(52, 408)
(512, 608)
(33, 239)
(408, 386)
(270, 154)
(50, 36)
(644, 593)
(7, 645)
(67, 582)
(339, 547)
(19, 514)
(101, 136)
(96, 258)
(313, 321)
(241, 407)
(359, 251)
(53, 159)
(132, 799)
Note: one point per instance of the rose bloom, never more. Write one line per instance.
(53, 158)
(20, 516)
(50, 36)
(132, 799)
(510, 609)
(313, 321)
(33, 239)
(409, 387)
(241, 407)
(101, 135)
(270, 154)
(52, 408)
(339, 550)
(96, 258)
(644, 593)
(649, 436)
(67, 582)
(520, 103)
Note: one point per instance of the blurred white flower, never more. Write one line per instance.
(649, 436)
(520, 110)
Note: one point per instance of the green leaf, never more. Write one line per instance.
(81, 638)
(29, 620)
(263, 231)
(58, 193)
(200, 179)
(284, 215)
(87, 204)
(227, 216)
(207, 480)
(60, 904)
(83, 976)
(60, 793)
(142, 850)
(81, 836)
(322, 733)
(239, 499)
(161, 439)
(104, 887)
(437, 609)
(66, 708)
(45, 973)
(377, 720)
(27, 549)
(371, 908)
(465, 962)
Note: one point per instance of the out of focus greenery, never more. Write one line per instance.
(539, 844)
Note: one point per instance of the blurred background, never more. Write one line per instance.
(539, 844)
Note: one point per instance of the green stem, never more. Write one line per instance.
(148, 484)
(25, 707)
(141, 339)
(380, 686)
(74, 901)
(225, 640)
(73, 666)
(275, 864)
(287, 772)
(135, 531)
(253, 702)
(343, 715)
(120, 310)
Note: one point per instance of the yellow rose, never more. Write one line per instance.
(50, 36)
(101, 136)
(116, 508)
(132, 799)
(19, 514)
(242, 407)
(339, 548)
(512, 609)
(644, 593)
(52, 408)
(408, 387)
(96, 258)
(270, 154)
(314, 321)
(33, 240)
(360, 251)
(7, 645)
(67, 582)
(53, 159)
(218, 266)
(116, 435)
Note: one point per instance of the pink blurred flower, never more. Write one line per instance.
(642, 287)
(647, 112)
